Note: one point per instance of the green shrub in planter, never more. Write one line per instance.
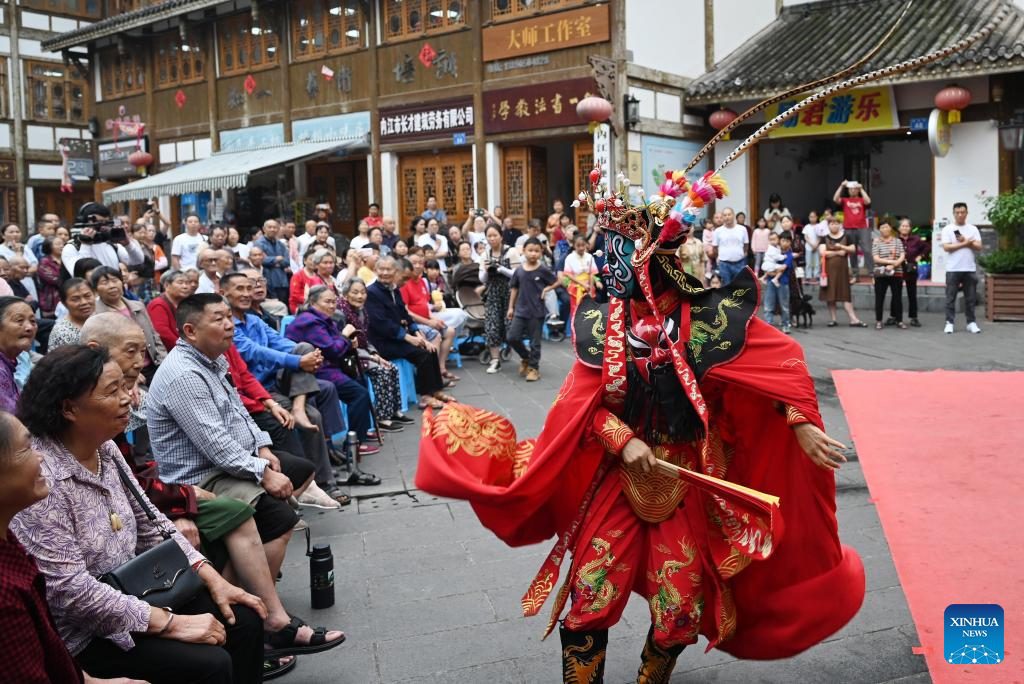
(1006, 214)
(1004, 261)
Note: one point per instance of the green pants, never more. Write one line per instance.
(217, 518)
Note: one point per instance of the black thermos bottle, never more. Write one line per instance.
(321, 576)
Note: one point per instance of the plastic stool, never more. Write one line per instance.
(406, 383)
(454, 354)
(285, 322)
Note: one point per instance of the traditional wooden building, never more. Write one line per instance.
(43, 101)
(473, 101)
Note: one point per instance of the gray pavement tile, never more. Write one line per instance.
(351, 663)
(512, 574)
(502, 672)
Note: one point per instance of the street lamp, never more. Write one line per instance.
(1012, 132)
(632, 110)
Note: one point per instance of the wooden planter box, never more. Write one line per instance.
(1004, 296)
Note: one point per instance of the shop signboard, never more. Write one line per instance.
(544, 105)
(547, 32)
(252, 137)
(352, 126)
(113, 158)
(850, 111)
(81, 157)
(429, 120)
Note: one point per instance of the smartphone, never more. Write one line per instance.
(957, 234)
(479, 212)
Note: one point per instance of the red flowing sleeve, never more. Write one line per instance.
(811, 585)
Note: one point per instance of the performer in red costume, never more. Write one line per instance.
(683, 459)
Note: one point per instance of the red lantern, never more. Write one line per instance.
(952, 99)
(140, 160)
(594, 109)
(722, 118)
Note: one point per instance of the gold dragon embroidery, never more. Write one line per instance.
(592, 581)
(702, 334)
(581, 670)
(597, 332)
(668, 601)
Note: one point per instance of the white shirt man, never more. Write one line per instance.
(730, 243)
(185, 247)
(961, 241)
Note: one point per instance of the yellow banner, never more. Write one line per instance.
(850, 111)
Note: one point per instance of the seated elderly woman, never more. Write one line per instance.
(74, 402)
(387, 396)
(80, 302)
(37, 654)
(316, 326)
(17, 331)
(177, 285)
(393, 332)
(317, 271)
(109, 288)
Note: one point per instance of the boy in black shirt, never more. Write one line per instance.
(530, 282)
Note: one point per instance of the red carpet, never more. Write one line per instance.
(941, 452)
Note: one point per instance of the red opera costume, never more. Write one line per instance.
(749, 557)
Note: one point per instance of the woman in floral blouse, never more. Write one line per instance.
(74, 402)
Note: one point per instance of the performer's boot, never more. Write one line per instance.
(656, 663)
(583, 656)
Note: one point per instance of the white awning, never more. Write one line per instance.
(222, 170)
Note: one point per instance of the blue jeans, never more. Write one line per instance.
(812, 262)
(728, 270)
(776, 295)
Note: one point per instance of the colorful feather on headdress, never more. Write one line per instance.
(707, 188)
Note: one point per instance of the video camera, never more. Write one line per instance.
(97, 217)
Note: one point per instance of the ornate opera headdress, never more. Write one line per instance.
(658, 221)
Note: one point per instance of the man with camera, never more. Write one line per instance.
(95, 234)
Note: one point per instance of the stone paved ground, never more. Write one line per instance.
(427, 595)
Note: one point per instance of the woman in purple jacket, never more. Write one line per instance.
(316, 326)
(914, 247)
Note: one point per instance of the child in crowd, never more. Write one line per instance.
(812, 264)
(530, 284)
(716, 281)
(774, 260)
(580, 271)
(478, 247)
(776, 292)
(436, 282)
(759, 243)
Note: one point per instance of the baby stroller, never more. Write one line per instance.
(475, 343)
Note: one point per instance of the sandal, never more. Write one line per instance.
(282, 642)
(275, 667)
(362, 479)
(441, 396)
(859, 324)
(878, 326)
(901, 325)
(433, 403)
(451, 376)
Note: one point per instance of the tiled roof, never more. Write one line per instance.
(125, 22)
(808, 41)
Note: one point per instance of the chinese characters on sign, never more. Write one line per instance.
(548, 32)
(440, 119)
(603, 150)
(443, 62)
(546, 105)
(518, 63)
(861, 109)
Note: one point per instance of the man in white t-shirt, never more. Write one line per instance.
(961, 241)
(185, 247)
(729, 243)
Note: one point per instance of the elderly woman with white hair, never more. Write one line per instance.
(317, 269)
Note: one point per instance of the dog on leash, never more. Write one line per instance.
(803, 317)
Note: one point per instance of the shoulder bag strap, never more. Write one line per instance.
(133, 487)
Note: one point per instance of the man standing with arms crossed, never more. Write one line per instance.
(961, 241)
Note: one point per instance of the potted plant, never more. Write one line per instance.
(1004, 267)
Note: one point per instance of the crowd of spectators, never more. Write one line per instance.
(222, 373)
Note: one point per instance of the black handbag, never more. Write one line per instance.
(160, 576)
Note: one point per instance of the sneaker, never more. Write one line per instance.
(368, 449)
(973, 328)
(948, 329)
(494, 367)
(890, 321)
(524, 367)
(402, 418)
(532, 375)
(554, 320)
(914, 323)
(314, 497)
(786, 329)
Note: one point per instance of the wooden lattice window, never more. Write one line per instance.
(89, 9)
(246, 45)
(4, 109)
(515, 185)
(468, 196)
(115, 7)
(122, 75)
(515, 9)
(55, 92)
(178, 61)
(326, 27)
(414, 18)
